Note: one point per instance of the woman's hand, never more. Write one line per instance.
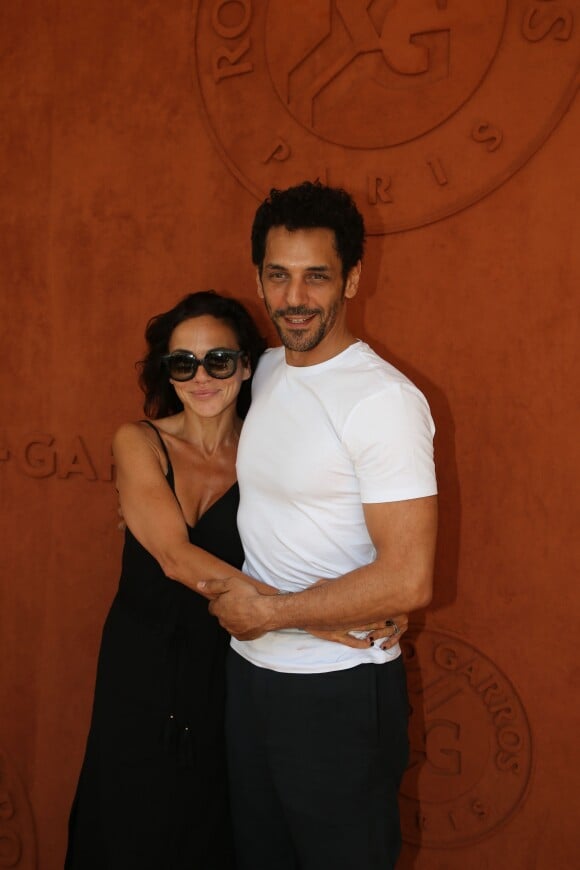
(388, 632)
(395, 627)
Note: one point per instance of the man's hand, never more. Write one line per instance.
(240, 608)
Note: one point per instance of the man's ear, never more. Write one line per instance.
(352, 280)
(259, 283)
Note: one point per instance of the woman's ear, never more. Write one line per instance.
(246, 368)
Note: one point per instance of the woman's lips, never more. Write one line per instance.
(204, 394)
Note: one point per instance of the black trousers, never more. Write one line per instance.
(315, 764)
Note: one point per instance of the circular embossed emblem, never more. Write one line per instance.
(17, 837)
(419, 107)
(471, 747)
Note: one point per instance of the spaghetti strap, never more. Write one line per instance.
(170, 475)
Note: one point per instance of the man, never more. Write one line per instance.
(335, 466)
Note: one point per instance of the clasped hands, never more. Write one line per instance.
(248, 612)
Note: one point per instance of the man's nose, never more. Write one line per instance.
(296, 292)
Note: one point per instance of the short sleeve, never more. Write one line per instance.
(389, 437)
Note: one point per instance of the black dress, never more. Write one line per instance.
(152, 793)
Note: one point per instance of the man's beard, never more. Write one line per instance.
(303, 340)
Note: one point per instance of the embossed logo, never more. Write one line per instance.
(41, 455)
(420, 107)
(17, 837)
(471, 746)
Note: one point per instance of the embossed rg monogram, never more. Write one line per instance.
(402, 20)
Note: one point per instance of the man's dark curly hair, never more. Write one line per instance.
(306, 206)
(160, 397)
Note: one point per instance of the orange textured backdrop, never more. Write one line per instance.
(135, 140)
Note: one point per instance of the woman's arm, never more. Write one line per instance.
(154, 517)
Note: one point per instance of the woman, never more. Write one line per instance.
(152, 793)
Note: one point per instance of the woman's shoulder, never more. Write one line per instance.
(149, 430)
(139, 449)
(138, 436)
(134, 431)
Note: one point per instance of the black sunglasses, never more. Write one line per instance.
(219, 362)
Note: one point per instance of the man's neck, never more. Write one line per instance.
(321, 353)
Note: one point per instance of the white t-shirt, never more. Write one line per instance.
(319, 442)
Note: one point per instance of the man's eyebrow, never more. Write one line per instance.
(323, 268)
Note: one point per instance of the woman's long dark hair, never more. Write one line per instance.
(160, 397)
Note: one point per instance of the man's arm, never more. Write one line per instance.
(399, 580)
